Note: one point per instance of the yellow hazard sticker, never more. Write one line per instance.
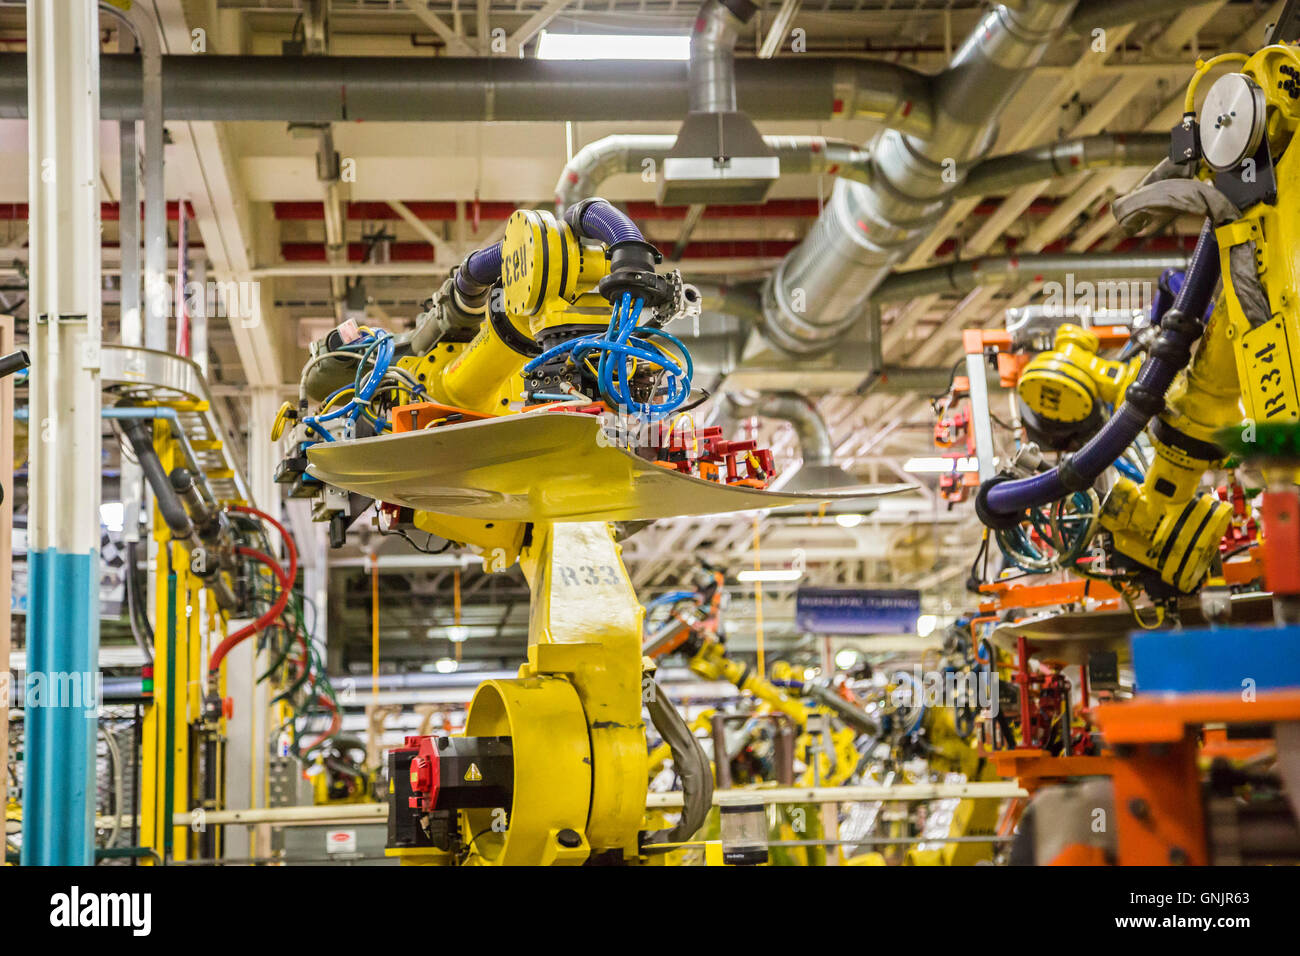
(473, 773)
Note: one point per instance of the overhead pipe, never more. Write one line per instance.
(818, 291)
(711, 69)
(964, 275)
(147, 96)
(628, 153)
(1002, 173)
(128, 231)
(816, 445)
(130, 318)
(333, 89)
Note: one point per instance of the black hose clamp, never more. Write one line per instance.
(1071, 477)
(1144, 400)
(573, 215)
(992, 519)
(649, 286)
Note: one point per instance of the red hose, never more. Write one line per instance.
(332, 729)
(286, 586)
(263, 622)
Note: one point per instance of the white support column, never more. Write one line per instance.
(198, 296)
(64, 476)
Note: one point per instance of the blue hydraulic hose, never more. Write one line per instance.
(600, 220)
(672, 597)
(1128, 470)
(616, 347)
(1001, 501)
(479, 270)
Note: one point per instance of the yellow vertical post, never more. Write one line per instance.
(758, 600)
(165, 762)
(374, 628)
(455, 599)
(180, 699)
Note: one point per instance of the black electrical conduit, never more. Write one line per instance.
(139, 433)
(692, 765)
(139, 619)
(1002, 500)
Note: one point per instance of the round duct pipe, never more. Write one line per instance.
(816, 446)
(819, 289)
(332, 89)
(628, 153)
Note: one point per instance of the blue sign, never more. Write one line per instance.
(856, 610)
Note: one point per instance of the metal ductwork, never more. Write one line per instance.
(719, 156)
(819, 290)
(816, 447)
(335, 89)
(628, 153)
(1002, 173)
(960, 277)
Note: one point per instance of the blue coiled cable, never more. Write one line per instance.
(364, 386)
(616, 348)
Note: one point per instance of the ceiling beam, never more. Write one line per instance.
(456, 44)
(533, 25)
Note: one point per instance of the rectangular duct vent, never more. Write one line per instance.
(719, 159)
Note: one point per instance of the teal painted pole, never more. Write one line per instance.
(61, 708)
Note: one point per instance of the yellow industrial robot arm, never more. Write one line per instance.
(1246, 355)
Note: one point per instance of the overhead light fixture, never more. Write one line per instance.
(457, 633)
(845, 658)
(939, 466)
(925, 624)
(445, 665)
(902, 505)
(849, 520)
(769, 575)
(612, 46)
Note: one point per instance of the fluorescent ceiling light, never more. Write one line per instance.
(939, 466)
(849, 520)
(622, 46)
(445, 665)
(902, 505)
(773, 574)
(457, 633)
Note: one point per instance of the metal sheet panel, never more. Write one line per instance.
(538, 466)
